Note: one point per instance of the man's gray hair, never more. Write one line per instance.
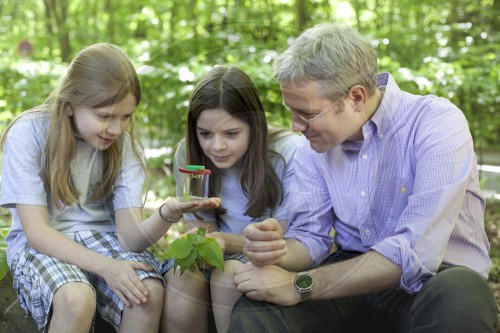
(334, 55)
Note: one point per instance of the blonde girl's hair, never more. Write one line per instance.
(100, 75)
(231, 89)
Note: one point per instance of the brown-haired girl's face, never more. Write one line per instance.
(223, 138)
(100, 127)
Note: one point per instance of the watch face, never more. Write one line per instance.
(304, 281)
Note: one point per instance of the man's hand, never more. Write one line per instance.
(263, 243)
(269, 283)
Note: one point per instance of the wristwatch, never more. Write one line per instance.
(304, 283)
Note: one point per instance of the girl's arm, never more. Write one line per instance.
(136, 234)
(119, 275)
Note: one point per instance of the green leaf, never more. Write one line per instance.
(192, 250)
(180, 248)
(188, 262)
(211, 252)
(186, 196)
(197, 238)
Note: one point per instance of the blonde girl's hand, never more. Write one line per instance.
(121, 277)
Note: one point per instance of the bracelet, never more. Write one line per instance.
(168, 219)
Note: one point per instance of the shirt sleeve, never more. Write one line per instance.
(21, 167)
(444, 167)
(311, 213)
(128, 189)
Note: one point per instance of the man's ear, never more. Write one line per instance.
(359, 97)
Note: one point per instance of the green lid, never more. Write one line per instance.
(195, 167)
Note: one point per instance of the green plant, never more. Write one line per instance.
(4, 268)
(193, 250)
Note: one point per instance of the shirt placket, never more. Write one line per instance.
(365, 164)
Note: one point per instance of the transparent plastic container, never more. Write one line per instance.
(194, 182)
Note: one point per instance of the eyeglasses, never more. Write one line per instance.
(307, 121)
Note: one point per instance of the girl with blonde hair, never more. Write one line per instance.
(72, 178)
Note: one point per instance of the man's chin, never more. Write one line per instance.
(319, 148)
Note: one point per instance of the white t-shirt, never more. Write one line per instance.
(22, 183)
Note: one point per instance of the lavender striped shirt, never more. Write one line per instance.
(409, 191)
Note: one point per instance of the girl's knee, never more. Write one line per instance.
(156, 292)
(225, 278)
(188, 282)
(76, 300)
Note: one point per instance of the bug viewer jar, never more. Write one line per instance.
(194, 182)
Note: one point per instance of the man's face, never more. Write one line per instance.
(331, 127)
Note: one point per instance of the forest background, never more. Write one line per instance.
(447, 48)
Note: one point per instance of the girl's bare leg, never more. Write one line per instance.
(73, 308)
(224, 294)
(186, 303)
(144, 317)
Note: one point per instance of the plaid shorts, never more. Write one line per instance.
(36, 276)
(207, 272)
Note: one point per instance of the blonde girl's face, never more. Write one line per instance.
(223, 138)
(100, 127)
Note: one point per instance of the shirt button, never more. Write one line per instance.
(381, 135)
(367, 232)
(365, 156)
(362, 193)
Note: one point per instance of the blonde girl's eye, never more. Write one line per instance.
(103, 116)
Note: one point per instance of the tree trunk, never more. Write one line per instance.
(110, 10)
(57, 11)
(301, 12)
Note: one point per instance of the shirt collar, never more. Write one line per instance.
(381, 120)
(385, 112)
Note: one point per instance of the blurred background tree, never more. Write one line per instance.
(449, 49)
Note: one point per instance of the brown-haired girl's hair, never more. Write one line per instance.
(100, 75)
(231, 89)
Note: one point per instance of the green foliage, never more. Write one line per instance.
(4, 268)
(192, 250)
(449, 50)
(492, 226)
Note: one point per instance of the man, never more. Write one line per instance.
(395, 176)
